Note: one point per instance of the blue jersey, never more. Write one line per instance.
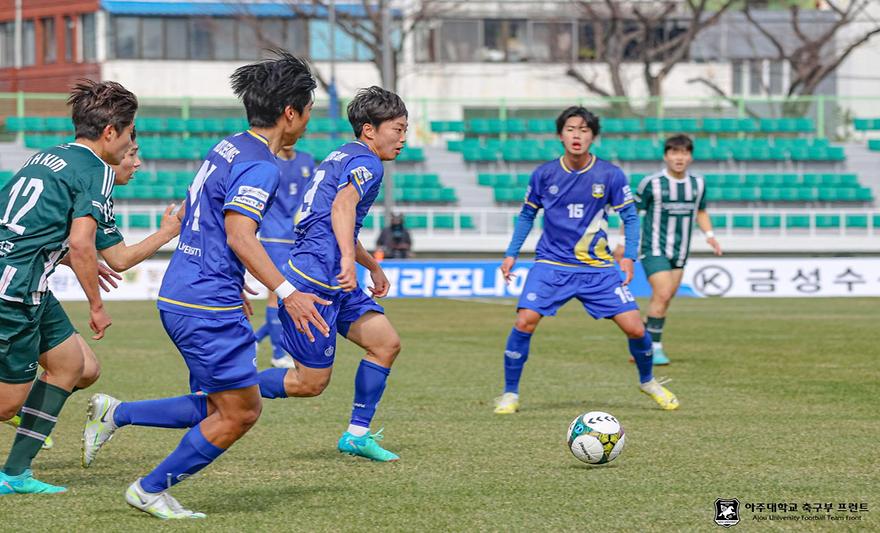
(277, 226)
(314, 259)
(576, 206)
(205, 277)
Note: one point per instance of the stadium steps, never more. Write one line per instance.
(454, 173)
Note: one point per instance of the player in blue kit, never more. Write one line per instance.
(276, 234)
(337, 199)
(200, 300)
(577, 192)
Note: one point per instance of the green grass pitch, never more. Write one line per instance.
(779, 403)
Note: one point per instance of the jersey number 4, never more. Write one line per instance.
(306, 208)
(32, 191)
(195, 191)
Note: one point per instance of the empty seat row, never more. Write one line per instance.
(442, 221)
(494, 126)
(179, 125)
(774, 180)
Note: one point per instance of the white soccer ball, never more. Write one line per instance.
(596, 437)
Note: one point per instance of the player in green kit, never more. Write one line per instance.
(672, 200)
(55, 203)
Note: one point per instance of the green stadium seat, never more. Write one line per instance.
(64, 124)
(743, 221)
(770, 221)
(36, 124)
(863, 124)
(515, 126)
(176, 125)
(718, 221)
(797, 221)
(827, 221)
(541, 126)
(874, 145)
(15, 124)
(856, 221)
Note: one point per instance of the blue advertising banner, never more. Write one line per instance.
(471, 279)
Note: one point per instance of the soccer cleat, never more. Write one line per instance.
(161, 505)
(15, 421)
(99, 426)
(366, 446)
(25, 483)
(660, 358)
(286, 361)
(660, 394)
(507, 403)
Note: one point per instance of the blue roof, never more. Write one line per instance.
(215, 8)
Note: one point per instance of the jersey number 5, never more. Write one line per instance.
(32, 191)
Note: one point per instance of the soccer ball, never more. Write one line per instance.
(596, 437)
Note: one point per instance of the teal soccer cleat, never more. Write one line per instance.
(25, 483)
(660, 358)
(366, 446)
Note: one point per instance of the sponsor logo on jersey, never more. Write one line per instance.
(598, 190)
(627, 193)
(329, 351)
(362, 175)
(247, 200)
(6, 247)
(256, 192)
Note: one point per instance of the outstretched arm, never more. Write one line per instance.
(121, 257)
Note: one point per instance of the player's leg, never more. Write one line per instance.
(237, 411)
(373, 332)
(91, 367)
(662, 278)
(640, 349)
(546, 290)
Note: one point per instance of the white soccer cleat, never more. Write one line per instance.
(660, 394)
(284, 362)
(99, 426)
(161, 505)
(507, 404)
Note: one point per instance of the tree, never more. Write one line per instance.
(626, 32)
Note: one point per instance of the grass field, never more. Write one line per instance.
(779, 404)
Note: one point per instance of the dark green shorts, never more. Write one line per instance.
(26, 331)
(657, 263)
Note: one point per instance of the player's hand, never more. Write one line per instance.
(618, 253)
(347, 274)
(381, 285)
(107, 277)
(627, 267)
(301, 308)
(99, 321)
(170, 223)
(507, 267)
(716, 246)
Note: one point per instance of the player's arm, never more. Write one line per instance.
(631, 233)
(342, 215)
(107, 277)
(241, 236)
(380, 281)
(121, 257)
(523, 227)
(705, 224)
(84, 262)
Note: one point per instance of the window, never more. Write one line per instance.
(7, 44)
(737, 74)
(176, 38)
(460, 40)
(29, 43)
(296, 36)
(776, 77)
(50, 45)
(69, 39)
(587, 46)
(248, 40)
(427, 38)
(201, 42)
(88, 33)
(224, 47)
(152, 38)
(504, 40)
(756, 77)
(551, 42)
(127, 37)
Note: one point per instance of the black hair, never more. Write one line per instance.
(678, 142)
(374, 105)
(134, 134)
(578, 111)
(96, 104)
(267, 87)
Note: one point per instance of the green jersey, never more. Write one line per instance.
(670, 206)
(37, 208)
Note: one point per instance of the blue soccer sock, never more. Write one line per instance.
(516, 353)
(369, 384)
(273, 324)
(262, 333)
(192, 454)
(643, 354)
(272, 383)
(180, 412)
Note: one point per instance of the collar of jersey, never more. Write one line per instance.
(673, 178)
(84, 147)
(581, 171)
(258, 137)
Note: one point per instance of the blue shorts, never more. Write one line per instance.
(346, 308)
(278, 252)
(601, 292)
(221, 353)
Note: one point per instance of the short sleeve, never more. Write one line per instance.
(642, 196)
(621, 195)
(365, 173)
(533, 191)
(107, 235)
(91, 193)
(251, 187)
(702, 205)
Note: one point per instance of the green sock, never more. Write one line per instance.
(39, 414)
(654, 326)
